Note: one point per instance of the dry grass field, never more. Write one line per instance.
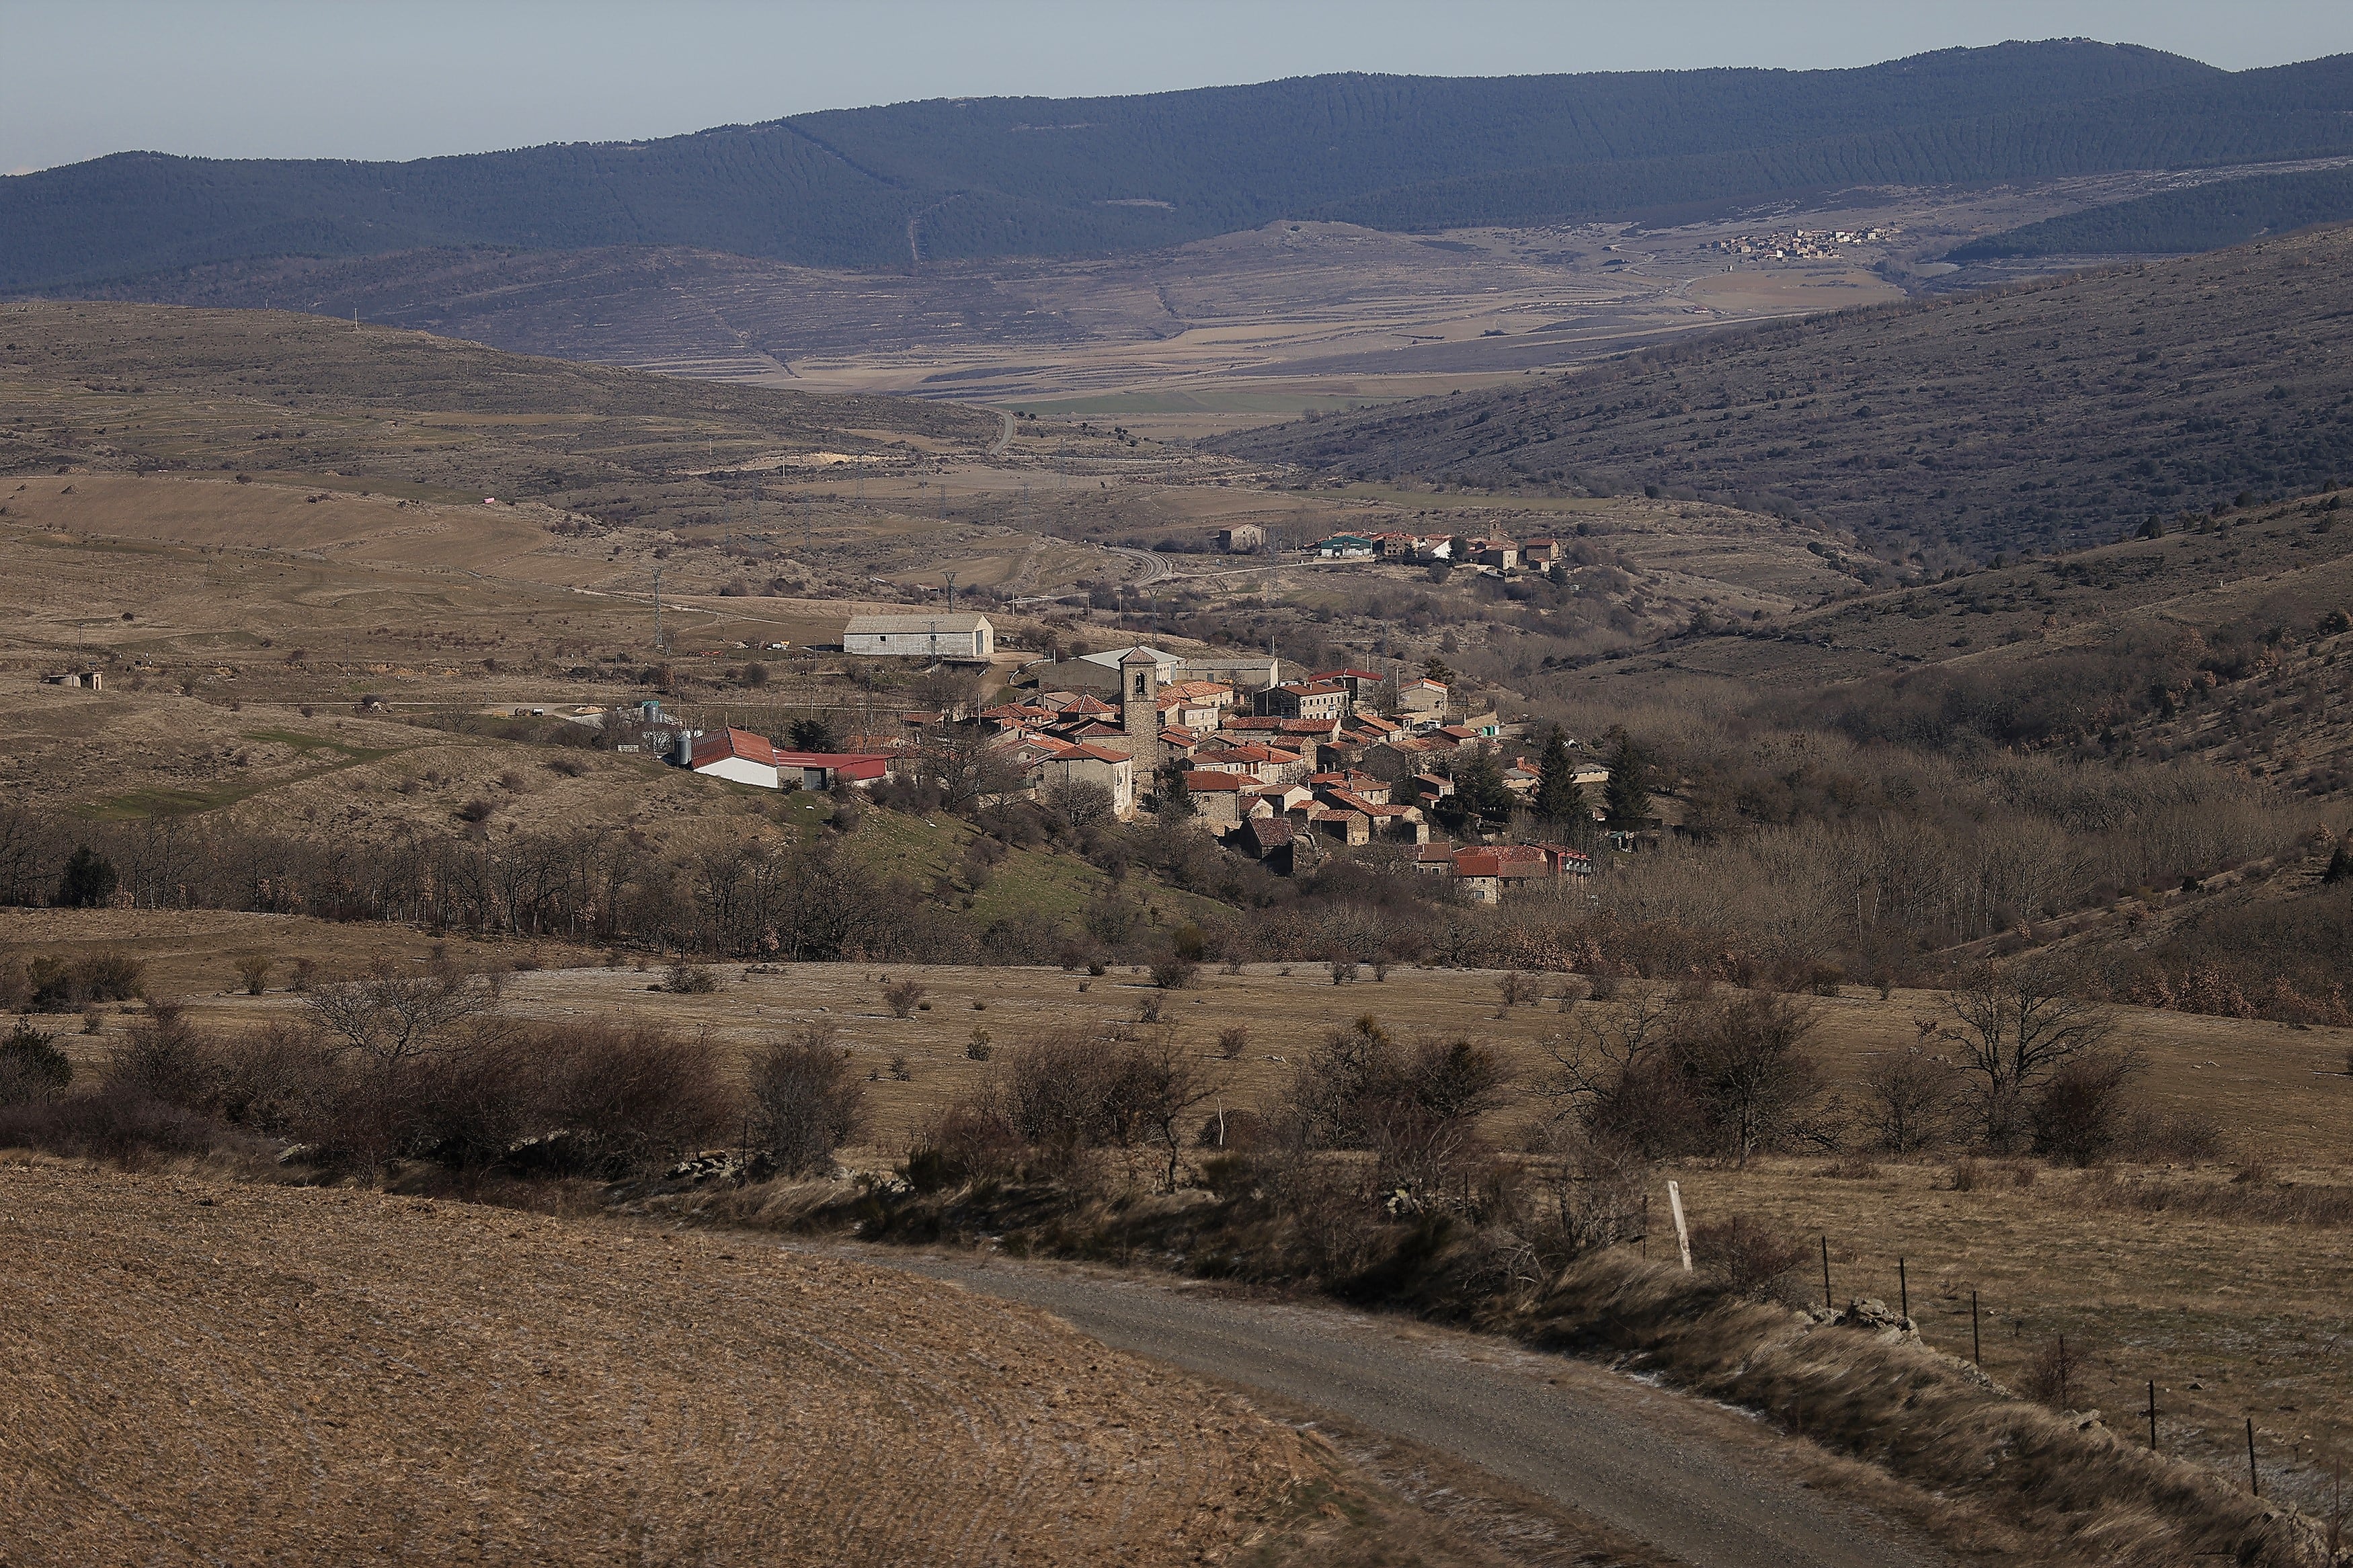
(199, 1372)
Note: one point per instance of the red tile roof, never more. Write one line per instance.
(1209, 780)
(732, 742)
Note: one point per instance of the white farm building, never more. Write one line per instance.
(921, 636)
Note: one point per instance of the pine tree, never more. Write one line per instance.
(1172, 796)
(1481, 802)
(1628, 795)
(2340, 863)
(89, 881)
(1559, 799)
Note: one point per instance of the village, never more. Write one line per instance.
(1282, 766)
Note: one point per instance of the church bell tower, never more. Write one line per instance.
(1139, 712)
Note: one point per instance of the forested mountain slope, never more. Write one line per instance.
(2046, 415)
(979, 177)
(2203, 217)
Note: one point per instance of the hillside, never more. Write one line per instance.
(439, 1382)
(2203, 217)
(2045, 415)
(142, 389)
(900, 186)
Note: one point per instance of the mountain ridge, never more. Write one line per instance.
(975, 178)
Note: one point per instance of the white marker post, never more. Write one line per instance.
(1682, 1232)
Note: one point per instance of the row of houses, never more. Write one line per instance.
(1455, 549)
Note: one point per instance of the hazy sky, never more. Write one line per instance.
(406, 78)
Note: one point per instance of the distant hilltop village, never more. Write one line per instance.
(1802, 244)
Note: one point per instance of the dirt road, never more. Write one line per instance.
(1694, 1481)
(1154, 568)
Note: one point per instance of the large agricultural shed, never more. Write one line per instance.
(926, 637)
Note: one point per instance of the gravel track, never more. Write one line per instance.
(1694, 1481)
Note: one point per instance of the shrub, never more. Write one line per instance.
(476, 810)
(1233, 1040)
(807, 1103)
(977, 1048)
(114, 1124)
(1175, 974)
(253, 973)
(278, 1080)
(2079, 1114)
(963, 1143)
(1344, 969)
(1148, 1011)
(1415, 1109)
(163, 1058)
(628, 1099)
(690, 979)
(1747, 1256)
(68, 986)
(2056, 1374)
(901, 996)
(2149, 1135)
(31, 1066)
(1518, 990)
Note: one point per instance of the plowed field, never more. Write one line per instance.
(237, 1375)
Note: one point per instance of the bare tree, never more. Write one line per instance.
(1748, 1067)
(1157, 1087)
(2014, 1027)
(1908, 1100)
(394, 1021)
(959, 761)
(1077, 802)
(807, 1101)
(1592, 1059)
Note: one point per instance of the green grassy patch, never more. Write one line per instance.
(158, 801)
(133, 804)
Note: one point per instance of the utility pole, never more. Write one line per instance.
(657, 636)
(952, 592)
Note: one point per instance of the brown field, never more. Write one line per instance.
(205, 1373)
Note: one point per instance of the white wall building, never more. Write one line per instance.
(921, 636)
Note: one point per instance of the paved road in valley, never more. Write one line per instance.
(1693, 1480)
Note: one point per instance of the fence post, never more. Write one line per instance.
(1682, 1232)
(2152, 1415)
(2255, 1480)
(1826, 1270)
(1976, 1345)
(1904, 1290)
